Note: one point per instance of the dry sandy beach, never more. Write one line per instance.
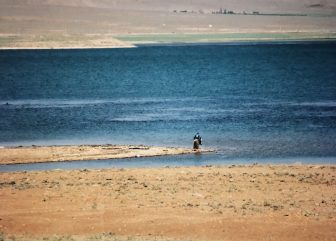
(255, 202)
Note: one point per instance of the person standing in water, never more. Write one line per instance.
(197, 141)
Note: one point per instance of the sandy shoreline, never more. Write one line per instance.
(38, 154)
(253, 202)
(60, 41)
(65, 48)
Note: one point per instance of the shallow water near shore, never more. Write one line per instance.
(204, 159)
(251, 102)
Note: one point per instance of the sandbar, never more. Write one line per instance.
(37, 154)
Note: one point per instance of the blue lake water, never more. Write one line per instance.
(264, 101)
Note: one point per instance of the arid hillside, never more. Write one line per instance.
(93, 23)
(127, 16)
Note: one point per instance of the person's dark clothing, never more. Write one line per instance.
(199, 138)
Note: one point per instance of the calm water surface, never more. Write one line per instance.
(265, 101)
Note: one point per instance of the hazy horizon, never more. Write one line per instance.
(267, 6)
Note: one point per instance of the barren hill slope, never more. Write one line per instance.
(44, 21)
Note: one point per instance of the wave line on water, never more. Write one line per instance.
(47, 103)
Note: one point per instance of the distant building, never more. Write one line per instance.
(220, 11)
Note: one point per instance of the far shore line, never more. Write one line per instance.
(153, 44)
(66, 48)
(181, 39)
(238, 42)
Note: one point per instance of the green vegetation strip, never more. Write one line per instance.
(221, 37)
